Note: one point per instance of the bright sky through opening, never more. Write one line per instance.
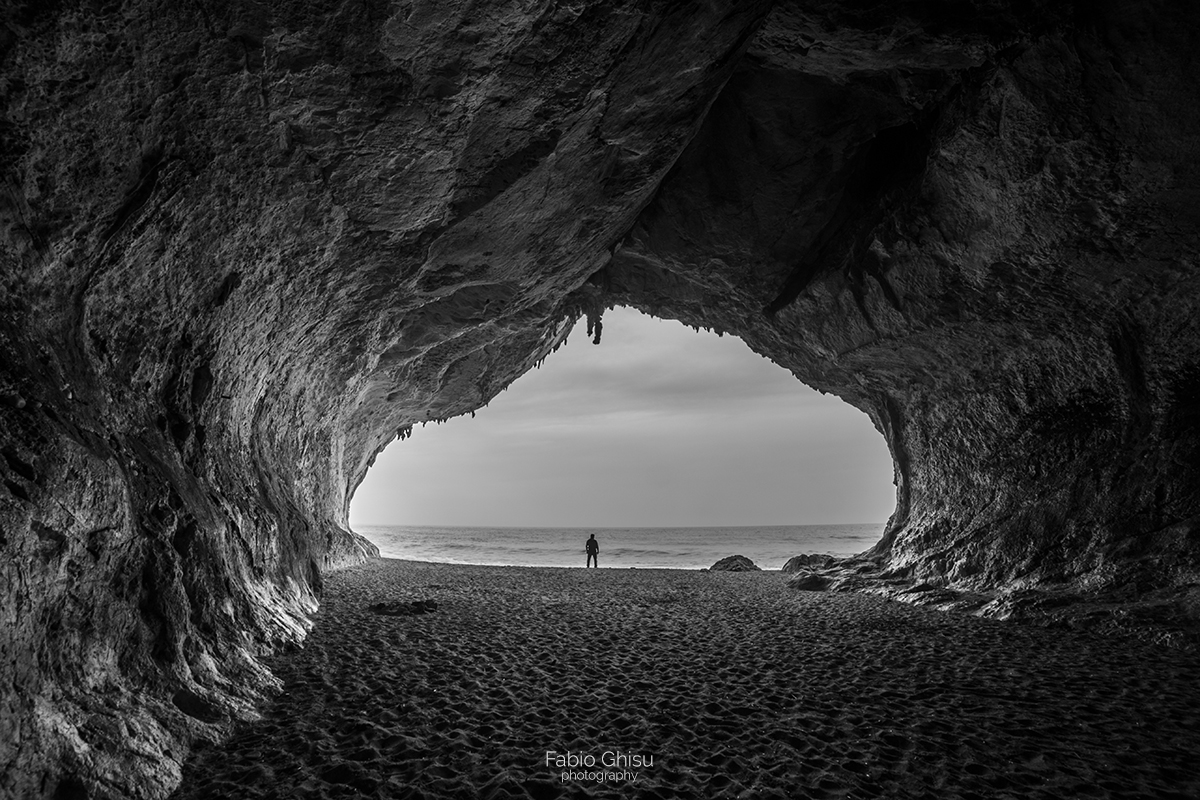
(658, 425)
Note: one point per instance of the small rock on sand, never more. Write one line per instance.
(735, 564)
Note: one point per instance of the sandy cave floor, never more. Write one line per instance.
(732, 683)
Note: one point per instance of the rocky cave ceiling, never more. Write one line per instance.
(243, 246)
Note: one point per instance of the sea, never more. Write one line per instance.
(769, 547)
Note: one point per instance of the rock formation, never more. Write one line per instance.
(735, 564)
(808, 581)
(805, 561)
(243, 246)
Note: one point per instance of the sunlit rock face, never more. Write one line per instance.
(243, 246)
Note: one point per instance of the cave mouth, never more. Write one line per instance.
(660, 440)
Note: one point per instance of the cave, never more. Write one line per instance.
(244, 246)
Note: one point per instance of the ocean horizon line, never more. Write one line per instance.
(672, 547)
(609, 527)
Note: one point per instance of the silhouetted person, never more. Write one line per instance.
(593, 552)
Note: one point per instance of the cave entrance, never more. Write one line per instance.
(659, 426)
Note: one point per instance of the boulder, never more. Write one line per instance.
(735, 564)
(810, 581)
(796, 563)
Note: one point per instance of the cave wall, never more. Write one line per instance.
(985, 237)
(243, 246)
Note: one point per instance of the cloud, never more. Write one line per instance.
(658, 425)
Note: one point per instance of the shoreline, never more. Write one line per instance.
(726, 682)
(678, 547)
(546, 566)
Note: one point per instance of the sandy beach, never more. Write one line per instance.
(671, 683)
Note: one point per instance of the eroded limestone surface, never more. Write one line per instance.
(244, 246)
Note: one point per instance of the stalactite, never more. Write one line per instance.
(594, 311)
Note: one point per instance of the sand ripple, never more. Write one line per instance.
(733, 684)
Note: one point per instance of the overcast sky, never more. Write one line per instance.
(658, 425)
